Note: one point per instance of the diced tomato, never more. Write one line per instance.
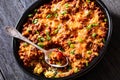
(59, 55)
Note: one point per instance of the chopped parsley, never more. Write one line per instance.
(103, 40)
(56, 31)
(49, 16)
(64, 12)
(89, 26)
(95, 24)
(94, 35)
(35, 21)
(37, 32)
(69, 67)
(40, 45)
(67, 5)
(92, 25)
(72, 46)
(72, 51)
(89, 52)
(46, 25)
(35, 10)
(41, 39)
(48, 36)
(61, 49)
(76, 70)
(30, 15)
(25, 44)
(86, 63)
(88, 1)
(88, 12)
(69, 42)
(105, 19)
(28, 30)
(56, 14)
(80, 39)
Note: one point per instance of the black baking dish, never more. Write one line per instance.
(22, 20)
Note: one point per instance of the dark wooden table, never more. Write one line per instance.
(107, 69)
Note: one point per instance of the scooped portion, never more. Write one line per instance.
(76, 27)
(56, 57)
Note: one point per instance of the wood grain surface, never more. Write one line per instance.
(10, 12)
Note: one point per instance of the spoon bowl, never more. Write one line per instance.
(47, 59)
(14, 33)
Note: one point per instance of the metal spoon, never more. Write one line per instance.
(14, 33)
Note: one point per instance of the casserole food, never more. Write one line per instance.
(77, 27)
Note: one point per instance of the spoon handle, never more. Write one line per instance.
(14, 33)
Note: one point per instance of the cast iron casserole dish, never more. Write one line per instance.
(22, 20)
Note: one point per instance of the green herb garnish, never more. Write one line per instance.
(88, 12)
(56, 31)
(59, 27)
(89, 26)
(72, 51)
(69, 42)
(94, 35)
(48, 36)
(28, 30)
(47, 33)
(105, 19)
(103, 40)
(49, 16)
(35, 21)
(46, 25)
(80, 40)
(37, 32)
(95, 24)
(67, 5)
(92, 25)
(30, 15)
(64, 12)
(86, 63)
(72, 46)
(40, 45)
(56, 14)
(76, 70)
(35, 10)
(55, 9)
(25, 44)
(69, 67)
(41, 39)
(61, 49)
(89, 52)
(88, 1)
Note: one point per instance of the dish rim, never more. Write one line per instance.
(93, 63)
